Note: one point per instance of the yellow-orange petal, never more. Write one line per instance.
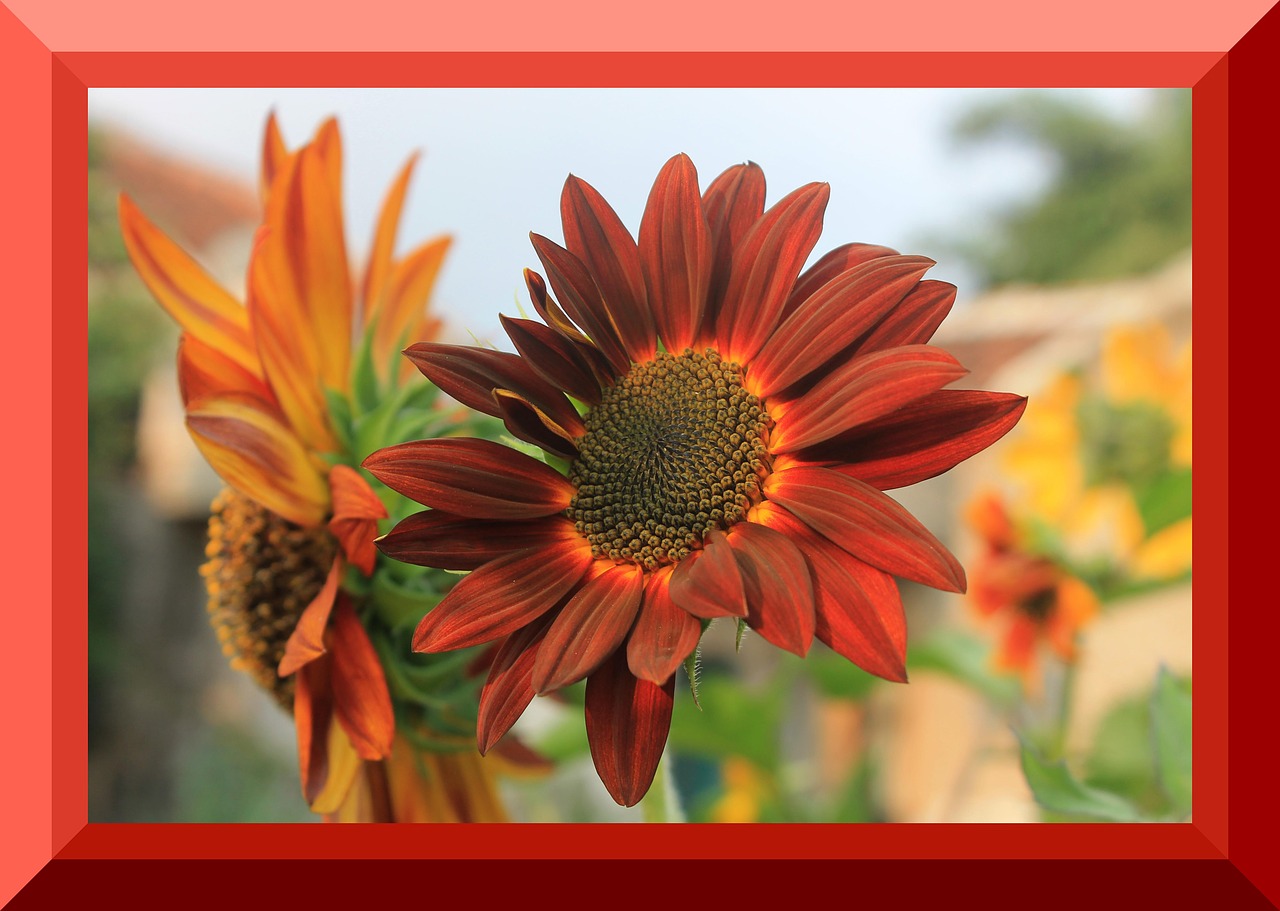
(275, 156)
(408, 293)
(254, 450)
(306, 642)
(308, 262)
(356, 511)
(289, 353)
(205, 372)
(198, 303)
(343, 769)
(377, 273)
(361, 701)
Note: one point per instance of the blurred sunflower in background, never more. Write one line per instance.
(281, 395)
(1036, 600)
(715, 431)
(1102, 461)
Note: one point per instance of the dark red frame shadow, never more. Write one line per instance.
(1223, 854)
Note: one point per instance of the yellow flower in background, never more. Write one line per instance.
(1103, 456)
(745, 791)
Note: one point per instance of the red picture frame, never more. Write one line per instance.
(52, 52)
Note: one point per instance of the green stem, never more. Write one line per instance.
(1066, 694)
(662, 803)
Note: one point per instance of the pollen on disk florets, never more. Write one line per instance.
(262, 572)
(675, 448)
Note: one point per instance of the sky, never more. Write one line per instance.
(495, 160)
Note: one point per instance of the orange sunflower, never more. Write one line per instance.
(1037, 598)
(255, 381)
(739, 421)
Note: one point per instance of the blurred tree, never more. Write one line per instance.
(1119, 199)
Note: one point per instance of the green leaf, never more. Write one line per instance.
(1056, 789)
(967, 659)
(838, 677)
(1171, 735)
(734, 722)
(398, 604)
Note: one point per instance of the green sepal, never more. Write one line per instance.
(742, 631)
(399, 604)
(340, 419)
(693, 670)
(364, 376)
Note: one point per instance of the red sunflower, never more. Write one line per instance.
(737, 422)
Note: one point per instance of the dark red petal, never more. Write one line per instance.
(708, 583)
(733, 203)
(312, 715)
(471, 374)
(508, 690)
(530, 423)
(923, 439)
(830, 265)
(476, 478)
(445, 541)
(589, 629)
(867, 524)
(627, 725)
(553, 357)
(595, 235)
(833, 318)
(914, 320)
(675, 253)
(556, 320)
(361, 701)
(857, 609)
(500, 597)
(775, 575)
(664, 635)
(581, 299)
(860, 391)
(765, 266)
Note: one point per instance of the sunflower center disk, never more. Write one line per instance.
(675, 449)
(261, 574)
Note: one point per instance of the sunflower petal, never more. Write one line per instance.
(439, 539)
(312, 718)
(708, 583)
(553, 357)
(477, 478)
(596, 236)
(627, 725)
(361, 700)
(205, 372)
(860, 391)
(308, 260)
(857, 609)
(664, 635)
(924, 438)
(832, 318)
(867, 524)
(255, 451)
(356, 511)
(198, 303)
(914, 320)
(676, 254)
(306, 642)
(275, 156)
(590, 628)
(471, 375)
(779, 590)
(290, 358)
(528, 422)
(829, 266)
(765, 266)
(732, 203)
(377, 274)
(576, 289)
(401, 315)
(508, 690)
(502, 596)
